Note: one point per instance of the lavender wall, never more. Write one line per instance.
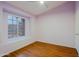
(57, 25)
(77, 26)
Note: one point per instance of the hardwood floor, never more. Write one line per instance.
(41, 49)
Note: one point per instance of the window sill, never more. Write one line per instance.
(13, 40)
(16, 39)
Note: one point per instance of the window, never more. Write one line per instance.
(16, 26)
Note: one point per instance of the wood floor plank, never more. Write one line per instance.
(41, 49)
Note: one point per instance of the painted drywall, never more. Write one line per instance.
(7, 45)
(77, 26)
(57, 25)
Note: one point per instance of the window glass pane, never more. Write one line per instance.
(21, 27)
(10, 28)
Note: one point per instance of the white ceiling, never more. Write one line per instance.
(34, 7)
